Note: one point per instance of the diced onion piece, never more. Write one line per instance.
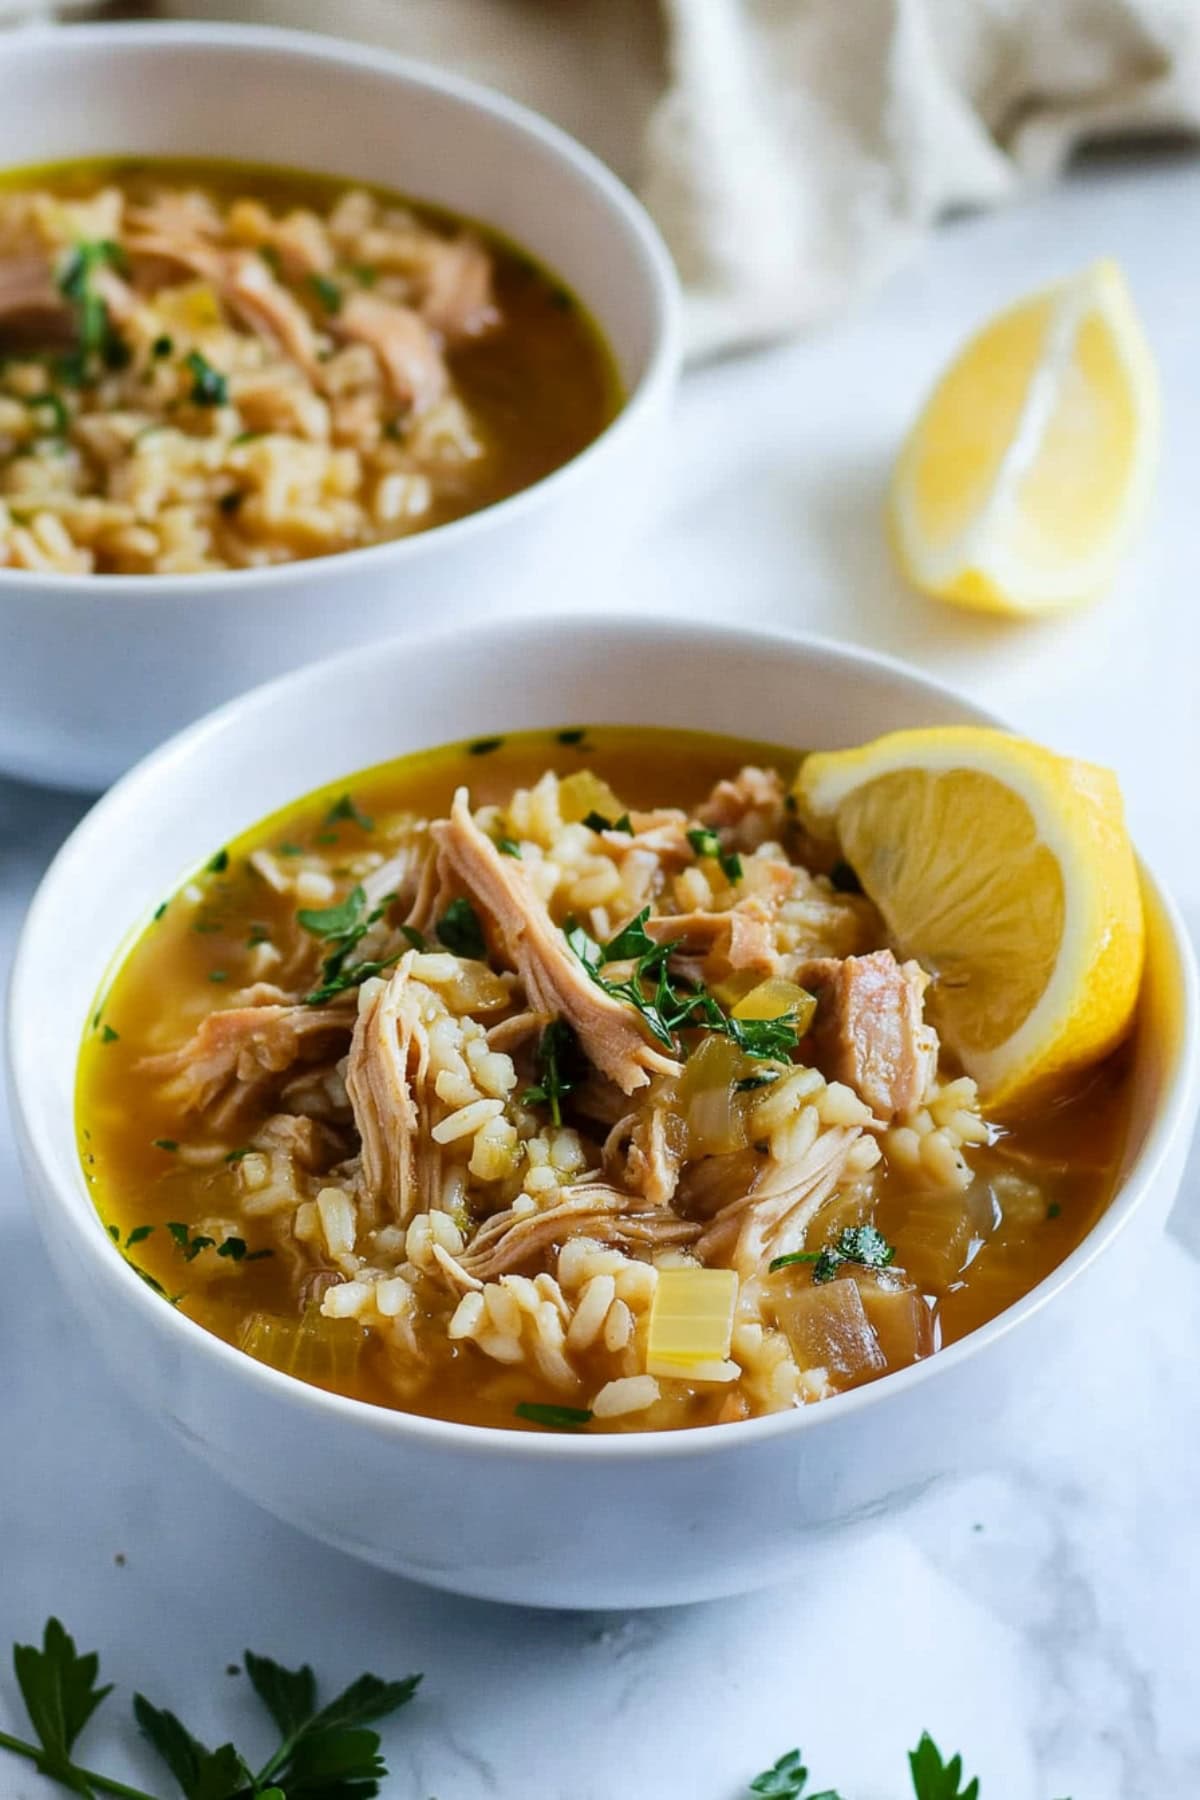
(932, 1243)
(312, 1347)
(584, 793)
(712, 1109)
(774, 998)
(900, 1318)
(691, 1321)
(828, 1328)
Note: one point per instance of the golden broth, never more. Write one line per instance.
(1040, 1184)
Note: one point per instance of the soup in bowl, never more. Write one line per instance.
(302, 343)
(544, 1130)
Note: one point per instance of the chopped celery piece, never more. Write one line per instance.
(932, 1242)
(584, 793)
(899, 1316)
(312, 1347)
(691, 1323)
(828, 1329)
(778, 999)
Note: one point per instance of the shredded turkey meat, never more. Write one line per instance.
(553, 977)
(871, 1031)
(235, 1057)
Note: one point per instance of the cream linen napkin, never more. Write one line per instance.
(795, 151)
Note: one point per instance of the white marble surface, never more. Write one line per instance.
(1043, 1618)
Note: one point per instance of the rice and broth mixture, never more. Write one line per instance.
(210, 367)
(560, 1082)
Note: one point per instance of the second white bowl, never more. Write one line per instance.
(96, 670)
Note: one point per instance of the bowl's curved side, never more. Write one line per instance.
(95, 670)
(488, 1512)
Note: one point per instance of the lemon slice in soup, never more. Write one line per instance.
(1008, 872)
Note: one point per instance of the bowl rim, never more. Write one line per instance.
(663, 297)
(1173, 1113)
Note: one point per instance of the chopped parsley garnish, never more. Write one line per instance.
(290, 850)
(108, 1035)
(170, 1145)
(673, 1007)
(91, 314)
(862, 1244)
(508, 846)
(345, 809)
(417, 939)
(557, 1418)
(459, 929)
(138, 1235)
(560, 1069)
(209, 386)
(749, 1083)
(327, 292)
(707, 843)
(160, 909)
(1053, 1210)
(596, 821)
(182, 1237)
(575, 735)
(341, 927)
(271, 257)
(218, 974)
(324, 1752)
(259, 934)
(844, 880)
(364, 274)
(162, 346)
(60, 418)
(218, 864)
(484, 746)
(234, 1248)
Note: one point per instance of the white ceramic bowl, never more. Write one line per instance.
(556, 1521)
(95, 671)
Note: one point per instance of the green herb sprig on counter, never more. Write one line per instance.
(862, 1244)
(933, 1777)
(325, 1752)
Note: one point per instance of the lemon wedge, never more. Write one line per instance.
(1031, 464)
(1008, 873)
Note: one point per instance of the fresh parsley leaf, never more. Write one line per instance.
(209, 386)
(138, 1235)
(785, 1780)
(60, 1693)
(749, 1083)
(484, 746)
(632, 940)
(575, 734)
(416, 938)
(202, 1774)
(459, 929)
(557, 1418)
(596, 821)
(218, 864)
(934, 1779)
(289, 1695)
(346, 809)
(108, 1035)
(508, 846)
(182, 1238)
(335, 921)
(52, 404)
(327, 292)
(560, 1068)
(706, 843)
(162, 346)
(863, 1244)
(92, 325)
